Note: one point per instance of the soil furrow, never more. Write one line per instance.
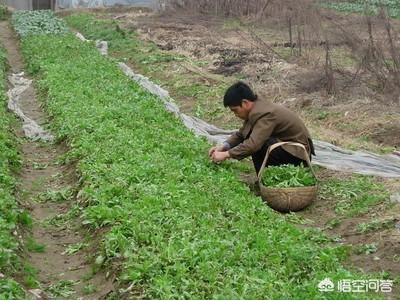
(56, 240)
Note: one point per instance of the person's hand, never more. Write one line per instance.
(220, 156)
(215, 148)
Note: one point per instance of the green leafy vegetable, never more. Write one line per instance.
(10, 214)
(28, 22)
(288, 176)
(370, 7)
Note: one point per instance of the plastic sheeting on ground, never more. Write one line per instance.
(30, 127)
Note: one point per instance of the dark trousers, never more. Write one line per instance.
(277, 157)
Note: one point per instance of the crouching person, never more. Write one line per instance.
(264, 124)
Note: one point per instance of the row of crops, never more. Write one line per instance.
(369, 6)
(177, 225)
(10, 215)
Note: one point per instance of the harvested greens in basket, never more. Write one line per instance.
(288, 176)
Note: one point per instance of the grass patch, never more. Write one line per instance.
(353, 196)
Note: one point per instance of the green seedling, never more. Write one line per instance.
(333, 223)
(88, 289)
(72, 249)
(34, 246)
(62, 219)
(57, 221)
(288, 176)
(353, 196)
(63, 288)
(13, 219)
(39, 166)
(11, 288)
(30, 276)
(25, 219)
(367, 248)
(56, 195)
(322, 115)
(375, 225)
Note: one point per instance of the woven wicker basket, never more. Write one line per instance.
(287, 199)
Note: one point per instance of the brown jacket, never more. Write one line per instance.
(267, 120)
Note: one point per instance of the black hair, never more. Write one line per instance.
(236, 93)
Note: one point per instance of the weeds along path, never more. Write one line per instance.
(45, 186)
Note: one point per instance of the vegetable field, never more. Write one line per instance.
(37, 22)
(10, 215)
(167, 222)
(182, 225)
(370, 6)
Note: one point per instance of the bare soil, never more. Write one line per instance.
(41, 172)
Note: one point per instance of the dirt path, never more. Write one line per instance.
(57, 244)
